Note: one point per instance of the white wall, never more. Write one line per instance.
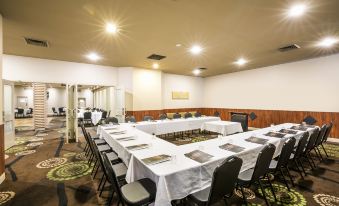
(193, 85)
(57, 98)
(20, 91)
(88, 95)
(18, 68)
(1, 68)
(309, 85)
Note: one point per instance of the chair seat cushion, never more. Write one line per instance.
(112, 157)
(201, 196)
(120, 170)
(139, 192)
(292, 156)
(104, 148)
(273, 164)
(246, 175)
(99, 141)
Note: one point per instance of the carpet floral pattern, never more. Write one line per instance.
(284, 196)
(70, 171)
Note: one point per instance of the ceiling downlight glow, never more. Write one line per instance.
(196, 72)
(196, 49)
(297, 10)
(241, 61)
(328, 42)
(93, 56)
(155, 66)
(111, 28)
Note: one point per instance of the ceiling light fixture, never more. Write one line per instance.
(241, 61)
(93, 56)
(155, 65)
(196, 72)
(111, 28)
(196, 49)
(178, 45)
(327, 42)
(297, 10)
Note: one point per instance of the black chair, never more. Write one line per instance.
(104, 115)
(111, 120)
(223, 182)
(216, 114)
(297, 154)
(109, 113)
(241, 118)
(147, 118)
(140, 192)
(61, 111)
(130, 119)
(176, 116)
(318, 142)
(328, 131)
(21, 112)
(309, 148)
(30, 112)
(283, 160)
(188, 115)
(55, 113)
(88, 118)
(256, 174)
(197, 114)
(163, 116)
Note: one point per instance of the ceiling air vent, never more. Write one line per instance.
(289, 47)
(36, 42)
(156, 57)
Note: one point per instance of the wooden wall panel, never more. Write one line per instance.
(2, 149)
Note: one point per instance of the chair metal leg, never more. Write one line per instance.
(96, 172)
(283, 176)
(95, 166)
(111, 198)
(312, 161)
(317, 150)
(263, 192)
(102, 188)
(271, 186)
(289, 174)
(101, 180)
(297, 166)
(302, 167)
(308, 161)
(324, 149)
(243, 195)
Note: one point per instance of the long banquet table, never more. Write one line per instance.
(182, 176)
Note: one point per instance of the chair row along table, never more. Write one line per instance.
(181, 176)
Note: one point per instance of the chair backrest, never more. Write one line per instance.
(61, 109)
(111, 119)
(301, 145)
(312, 140)
(111, 176)
(176, 116)
(286, 152)
(216, 114)
(109, 113)
(147, 118)
(163, 116)
(321, 135)
(87, 115)
(224, 178)
(328, 131)
(53, 109)
(188, 115)
(130, 119)
(21, 111)
(104, 115)
(197, 114)
(263, 162)
(241, 118)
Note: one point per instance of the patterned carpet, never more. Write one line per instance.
(42, 170)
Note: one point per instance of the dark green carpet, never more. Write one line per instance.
(43, 170)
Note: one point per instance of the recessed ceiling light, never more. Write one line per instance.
(196, 72)
(93, 56)
(327, 42)
(178, 45)
(196, 49)
(297, 10)
(111, 28)
(155, 65)
(241, 61)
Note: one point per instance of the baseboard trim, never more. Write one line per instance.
(2, 178)
(336, 140)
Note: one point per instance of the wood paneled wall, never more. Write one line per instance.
(2, 149)
(264, 117)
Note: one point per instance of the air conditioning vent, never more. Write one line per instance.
(202, 69)
(289, 47)
(156, 57)
(36, 42)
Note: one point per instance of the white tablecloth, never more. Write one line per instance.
(178, 178)
(96, 116)
(222, 127)
(160, 127)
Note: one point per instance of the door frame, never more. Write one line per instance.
(12, 116)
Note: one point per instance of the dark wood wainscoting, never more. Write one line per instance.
(2, 149)
(264, 117)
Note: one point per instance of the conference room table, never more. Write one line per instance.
(167, 126)
(222, 127)
(181, 176)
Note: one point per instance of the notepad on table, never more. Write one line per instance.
(275, 134)
(199, 156)
(232, 148)
(288, 131)
(301, 128)
(257, 140)
(137, 147)
(156, 159)
(118, 132)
